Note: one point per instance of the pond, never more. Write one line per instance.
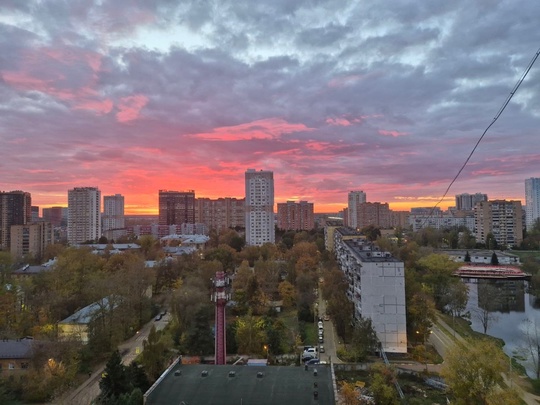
(512, 311)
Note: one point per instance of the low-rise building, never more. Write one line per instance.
(15, 356)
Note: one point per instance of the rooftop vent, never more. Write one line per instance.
(177, 373)
(315, 372)
(204, 373)
(232, 373)
(260, 374)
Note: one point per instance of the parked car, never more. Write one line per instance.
(321, 339)
(321, 349)
(312, 361)
(158, 317)
(321, 326)
(307, 357)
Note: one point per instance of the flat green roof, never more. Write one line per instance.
(278, 385)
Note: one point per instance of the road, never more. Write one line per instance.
(330, 337)
(130, 349)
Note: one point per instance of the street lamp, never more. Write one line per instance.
(265, 347)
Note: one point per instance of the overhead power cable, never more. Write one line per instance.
(503, 107)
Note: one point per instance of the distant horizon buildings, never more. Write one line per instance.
(57, 216)
(84, 214)
(113, 212)
(466, 202)
(176, 207)
(15, 209)
(259, 187)
(532, 201)
(295, 216)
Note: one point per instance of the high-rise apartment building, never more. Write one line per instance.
(176, 207)
(295, 216)
(373, 213)
(35, 213)
(355, 198)
(532, 201)
(57, 216)
(31, 239)
(84, 214)
(259, 207)
(503, 219)
(466, 202)
(113, 212)
(15, 209)
(221, 213)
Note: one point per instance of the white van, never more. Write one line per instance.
(320, 325)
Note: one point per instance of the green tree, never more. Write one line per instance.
(114, 381)
(199, 339)
(250, 335)
(372, 232)
(494, 259)
(364, 339)
(473, 371)
(154, 355)
(382, 385)
(438, 274)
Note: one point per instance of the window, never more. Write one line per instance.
(11, 366)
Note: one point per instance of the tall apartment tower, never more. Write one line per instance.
(84, 214)
(176, 207)
(466, 202)
(532, 201)
(355, 198)
(113, 212)
(503, 219)
(15, 209)
(259, 207)
(375, 213)
(295, 216)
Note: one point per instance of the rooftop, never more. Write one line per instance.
(276, 385)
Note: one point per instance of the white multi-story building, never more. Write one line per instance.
(376, 287)
(532, 201)
(355, 198)
(84, 214)
(113, 212)
(259, 207)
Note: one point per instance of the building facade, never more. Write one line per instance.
(259, 207)
(373, 213)
(113, 212)
(295, 216)
(532, 201)
(503, 219)
(221, 213)
(354, 198)
(176, 207)
(84, 214)
(57, 216)
(15, 209)
(376, 287)
(31, 239)
(466, 202)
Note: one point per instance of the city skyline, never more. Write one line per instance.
(388, 98)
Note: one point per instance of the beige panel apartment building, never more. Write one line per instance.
(503, 219)
(31, 239)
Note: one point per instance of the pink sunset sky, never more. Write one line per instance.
(386, 97)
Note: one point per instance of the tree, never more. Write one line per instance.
(348, 393)
(372, 232)
(382, 385)
(250, 335)
(154, 354)
(488, 299)
(438, 274)
(494, 259)
(114, 381)
(473, 371)
(456, 298)
(364, 339)
(531, 346)
(287, 294)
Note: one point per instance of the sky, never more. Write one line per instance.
(388, 97)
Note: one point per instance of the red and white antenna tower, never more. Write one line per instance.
(220, 298)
